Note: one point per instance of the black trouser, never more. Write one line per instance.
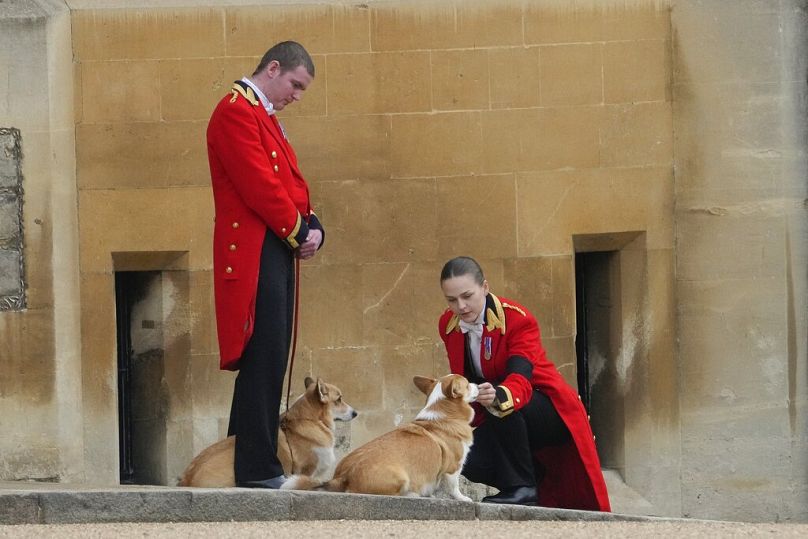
(502, 452)
(259, 384)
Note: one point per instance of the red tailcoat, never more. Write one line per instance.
(573, 478)
(257, 189)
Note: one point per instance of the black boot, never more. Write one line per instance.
(514, 495)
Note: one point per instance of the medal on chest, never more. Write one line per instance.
(487, 343)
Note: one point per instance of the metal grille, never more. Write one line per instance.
(12, 269)
(581, 344)
(123, 310)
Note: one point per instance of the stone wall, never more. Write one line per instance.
(741, 181)
(40, 411)
(432, 129)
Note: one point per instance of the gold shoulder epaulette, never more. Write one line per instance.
(247, 93)
(495, 319)
(452, 324)
(514, 307)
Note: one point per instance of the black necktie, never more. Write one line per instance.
(470, 371)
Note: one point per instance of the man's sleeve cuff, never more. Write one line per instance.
(298, 234)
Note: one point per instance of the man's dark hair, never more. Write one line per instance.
(462, 265)
(290, 55)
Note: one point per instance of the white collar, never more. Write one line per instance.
(264, 101)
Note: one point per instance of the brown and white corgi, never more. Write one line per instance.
(420, 458)
(305, 440)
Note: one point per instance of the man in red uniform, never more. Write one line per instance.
(532, 439)
(263, 221)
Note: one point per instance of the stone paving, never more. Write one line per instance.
(53, 505)
(50, 510)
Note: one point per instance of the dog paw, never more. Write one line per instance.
(462, 497)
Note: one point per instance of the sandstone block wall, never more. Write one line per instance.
(741, 170)
(494, 129)
(39, 345)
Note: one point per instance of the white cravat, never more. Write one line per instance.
(475, 333)
(475, 329)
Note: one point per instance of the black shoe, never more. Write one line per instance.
(271, 483)
(514, 495)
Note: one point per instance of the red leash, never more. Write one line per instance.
(294, 331)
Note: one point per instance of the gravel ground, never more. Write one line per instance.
(415, 529)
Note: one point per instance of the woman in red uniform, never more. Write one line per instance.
(532, 439)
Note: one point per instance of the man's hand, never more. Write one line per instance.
(487, 394)
(309, 247)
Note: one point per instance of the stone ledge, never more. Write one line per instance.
(134, 504)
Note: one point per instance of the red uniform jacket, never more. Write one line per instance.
(573, 478)
(257, 189)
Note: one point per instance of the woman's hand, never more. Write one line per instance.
(487, 394)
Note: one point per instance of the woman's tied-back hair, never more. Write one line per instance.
(462, 265)
(290, 55)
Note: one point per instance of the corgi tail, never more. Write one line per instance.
(304, 482)
(301, 482)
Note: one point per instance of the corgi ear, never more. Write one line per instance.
(424, 384)
(459, 387)
(322, 391)
(307, 382)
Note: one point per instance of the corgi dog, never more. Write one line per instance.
(420, 458)
(305, 440)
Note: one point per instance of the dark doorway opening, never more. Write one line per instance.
(597, 316)
(597, 346)
(581, 348)
(594, 304)
(139, 375)
(123, 310)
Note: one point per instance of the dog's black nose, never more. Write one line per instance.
(354, 414)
